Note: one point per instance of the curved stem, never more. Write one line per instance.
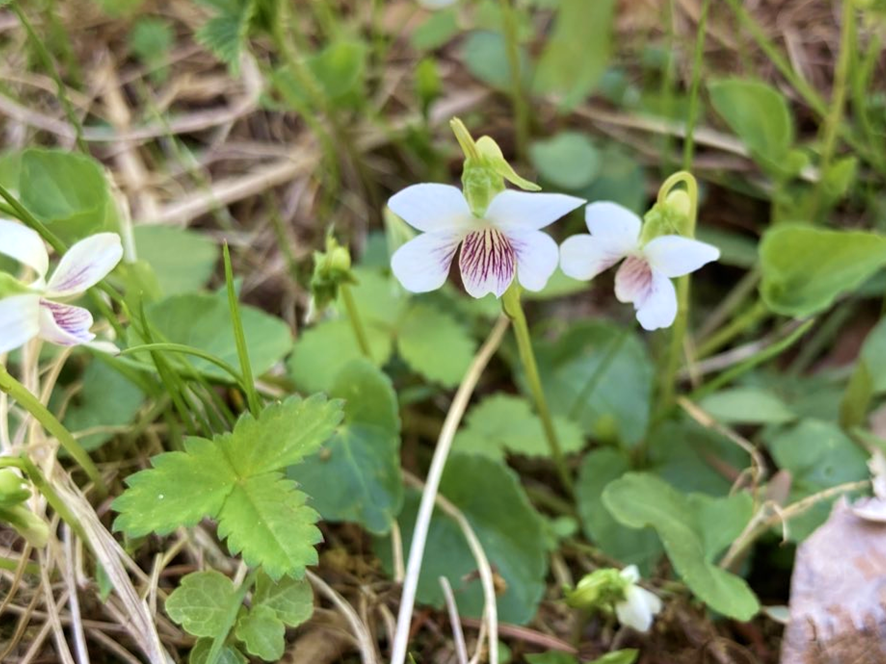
(512, 44)
(187, 350)
(356, 322)
(42, 414)
(432, 485)
(513, 308)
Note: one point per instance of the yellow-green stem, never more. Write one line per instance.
(514, 310)
(356, 322)
(42, 414)
(671, 362)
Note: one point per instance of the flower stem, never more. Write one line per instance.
(512, 44)
(356, 322)
(671, 363)
(514, 310)
(42, 414)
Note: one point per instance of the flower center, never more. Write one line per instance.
(487, 253)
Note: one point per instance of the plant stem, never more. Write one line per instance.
(750, 317)
(512, 44)
(838, 100)
(42, 414)
(240, 338)
(689, 143)
(514, 310)
(228, 622)
(347, 298)
(432, 485)
(671, 363)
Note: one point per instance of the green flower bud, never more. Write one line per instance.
(598, 591)
(12, 490)
(332, 268)
(669, 218)
(27, 524)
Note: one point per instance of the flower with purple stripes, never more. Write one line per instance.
(34, 310)
(505, 242)
(645, 276)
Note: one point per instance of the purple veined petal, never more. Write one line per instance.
(85, 264)
(487, 263)
(513, 210)
(674, 255)
(433, 208)
(19, 321)
(615, 224)
(658, 308)
(65, 324)
(633, 280)
(24, 245)
(422, 264)
(537, 258)
(585, 256)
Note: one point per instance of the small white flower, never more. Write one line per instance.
(505, 242)
(639, 606)
(38, 312)
(436, 4)
(645, 277)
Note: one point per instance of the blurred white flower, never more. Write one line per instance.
(645, 277)
(34, 309)
(640, 606)
(436, 4)
(504, 242)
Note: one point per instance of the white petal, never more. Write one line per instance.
(422, 264)
(585, 256)
(659, 307)
(633, 280)
(537, 258)
(19, 321)
(64, 324)
(24, 245)
(433, 208)
(85, 264)
(631, 573)
(674, 256)
(524, 210)
(487, 263)
(638, 609)
(436, 4)
(614, 222)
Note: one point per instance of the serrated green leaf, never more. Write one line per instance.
(292, 600)
(284, 434)
(505, 422)
(262, 633)
(226, 34)
(202, 602)
(356, 475)
(204, 321)
(509, 529)
(435, 345)
(266, 520)
(638, 547)
(805, 269)
(582, 34)
(180, 489)
(641, 500)
(183, 260)
(229, 654)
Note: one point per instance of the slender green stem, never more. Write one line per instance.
(671, 362)
(42, 414)
(689, 142)
(230, 617)
(512, 45)
(834, 117)
(240, 337)
(750, 317)
(53, 70)
(189, 350)
(764, 355)
(514, 310)
(347, 298)
(45, 488)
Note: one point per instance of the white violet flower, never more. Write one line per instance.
(640, 606)
(505, 242)
(645, 277)
(37, 311)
